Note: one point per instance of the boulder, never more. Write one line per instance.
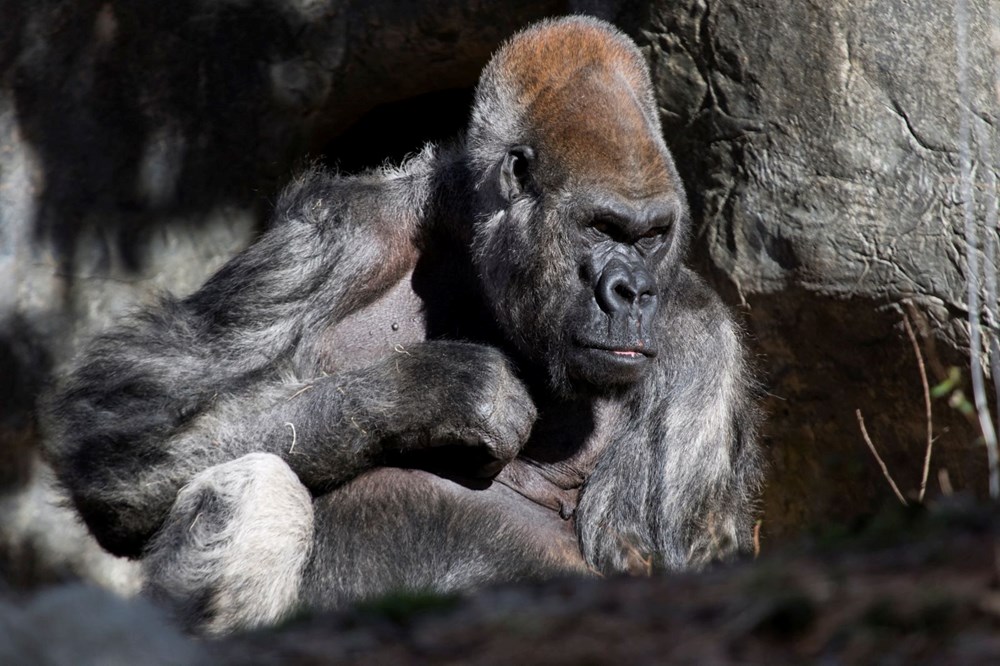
(832, 151)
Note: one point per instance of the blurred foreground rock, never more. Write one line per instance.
(74, 625)
(912, 588)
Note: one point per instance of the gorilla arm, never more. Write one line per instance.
(232, 369)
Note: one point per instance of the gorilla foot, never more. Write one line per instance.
(231, 553)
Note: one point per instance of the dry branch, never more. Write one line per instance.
(878, 458)
(927, 406)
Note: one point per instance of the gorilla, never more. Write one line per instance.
(487, 364)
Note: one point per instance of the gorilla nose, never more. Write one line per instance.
(620, 288)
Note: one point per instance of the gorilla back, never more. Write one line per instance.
(487, 364)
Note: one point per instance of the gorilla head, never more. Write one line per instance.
(582, 215)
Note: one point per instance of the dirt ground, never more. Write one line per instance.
(910, 587)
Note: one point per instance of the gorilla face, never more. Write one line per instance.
(581, 210)
(575, 272)
(609, 329)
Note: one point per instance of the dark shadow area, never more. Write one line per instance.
(472, 467)
(142, 111)
(24, 366)
(826, 358)
(390, 132)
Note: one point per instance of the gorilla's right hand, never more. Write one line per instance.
(447, 394)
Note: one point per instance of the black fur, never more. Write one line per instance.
(399, 338)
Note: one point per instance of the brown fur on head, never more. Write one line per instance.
(581, 215)
(577, 90)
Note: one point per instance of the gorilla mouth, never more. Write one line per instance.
(624, 352)
(603, 364)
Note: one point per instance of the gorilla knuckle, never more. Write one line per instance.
(505, 417)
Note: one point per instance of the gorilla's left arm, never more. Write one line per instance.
(186, 384)
(676, 487)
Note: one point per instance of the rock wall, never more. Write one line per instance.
(823, 145)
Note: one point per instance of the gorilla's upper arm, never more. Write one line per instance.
(185, 384)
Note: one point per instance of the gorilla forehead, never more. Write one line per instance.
(551, 53)
(594, 130)
(582, 92)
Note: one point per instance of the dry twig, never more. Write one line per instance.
(301, 391)
(927, 406)
(945, 481)
(878, 458)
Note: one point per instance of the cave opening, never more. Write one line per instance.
(390, 132)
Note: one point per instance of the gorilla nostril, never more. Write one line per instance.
(625, 291)
(617, 289)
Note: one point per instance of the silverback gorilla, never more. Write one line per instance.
(487, 364)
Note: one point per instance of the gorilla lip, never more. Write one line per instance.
(624, 352)
(604, 366)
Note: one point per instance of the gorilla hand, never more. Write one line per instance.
(450, 396)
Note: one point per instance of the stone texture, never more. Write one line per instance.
(823, 146)
(824, 141)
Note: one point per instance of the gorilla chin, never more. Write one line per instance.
(599, 369)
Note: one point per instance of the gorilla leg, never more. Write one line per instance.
(238, 549)
(231, 553)
(404, 529)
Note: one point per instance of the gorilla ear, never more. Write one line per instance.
(515, 172)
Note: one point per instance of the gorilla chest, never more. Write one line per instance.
(387, 326)
(563, 451)
(439, 299)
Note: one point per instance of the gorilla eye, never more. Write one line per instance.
(603, 226)
(656, 232)
(610, 228)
